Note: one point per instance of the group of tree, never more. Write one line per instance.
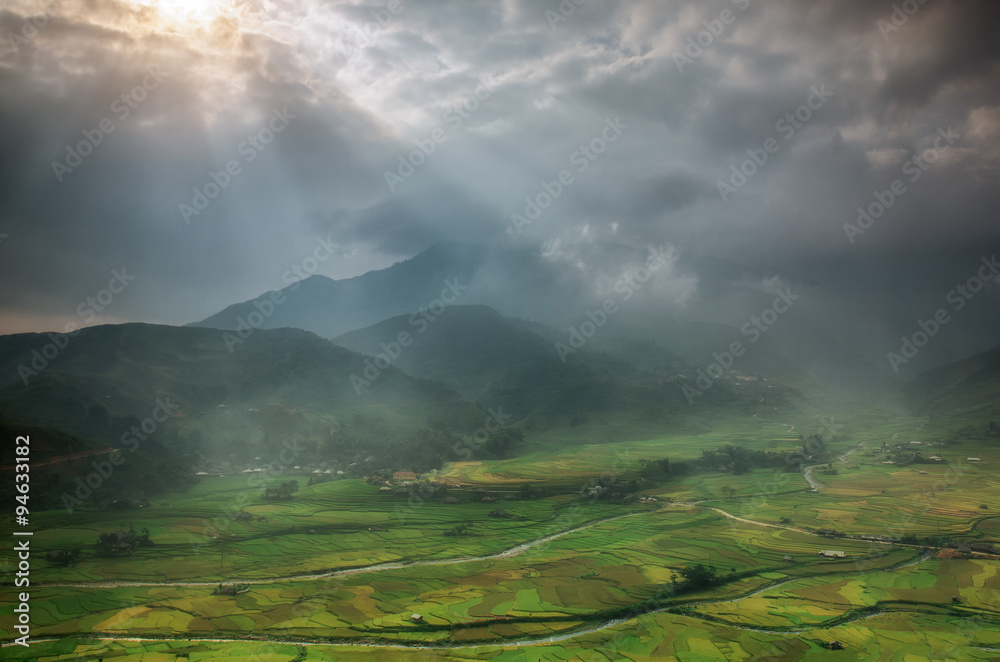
(246, 517)
(281, 492)
(528, 491)
(152, 469)
(736, 460)
(610, 488)
(121, 542)
(232, 589)
(63, 557)
(695, 578)
(499, 445)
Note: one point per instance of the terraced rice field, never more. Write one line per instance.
(574, 579)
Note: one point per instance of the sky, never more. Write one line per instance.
(166, 159)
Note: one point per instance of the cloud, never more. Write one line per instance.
(364, 88)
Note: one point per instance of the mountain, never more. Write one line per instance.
(650, 327)
(490, 359)
(203, 394)
(69, 469)
(966, 392)
(515, 280)
(331, 307)
(518, 366)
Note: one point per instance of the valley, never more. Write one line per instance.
(563, 331)
(339, 570)
(480, 498)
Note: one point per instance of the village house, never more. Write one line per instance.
(833, 554)
(404, 475)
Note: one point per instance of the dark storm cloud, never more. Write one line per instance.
(364, 88)
(408, 223)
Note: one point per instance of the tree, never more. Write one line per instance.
(697, 577)
(62, 558)
(283, 491)
(97, 419)
(106, 542)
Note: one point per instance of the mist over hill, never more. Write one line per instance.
(966, 391)
(689, 307)
(190, 395)
(497, 361)
(330, 307)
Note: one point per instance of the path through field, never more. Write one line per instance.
(347, 572)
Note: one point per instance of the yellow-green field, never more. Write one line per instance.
(570, 578)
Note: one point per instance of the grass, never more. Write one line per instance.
(880, 607)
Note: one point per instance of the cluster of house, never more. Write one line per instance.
(873, 538)
(830, 533)
(979, 547)
(833, 533)
(400, 479)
